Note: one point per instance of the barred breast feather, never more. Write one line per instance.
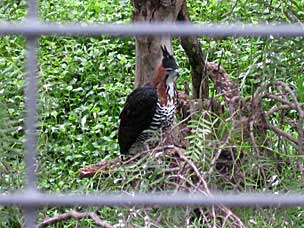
(163, 117)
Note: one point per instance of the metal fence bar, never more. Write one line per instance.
(31, 199)
(32, 9)
(30, 126)
(161, 199)
(30, 212)
(30, 215)
(212, 30)
(31, 112)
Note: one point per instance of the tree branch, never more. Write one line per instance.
(193, 49)
(279, 99)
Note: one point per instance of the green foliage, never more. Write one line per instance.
(11, 124)
(300, 88)
(12, 9)
(86, 10)
(10, 217)
(11, 113)
(83, 83)
(246, 11)
(11, 152)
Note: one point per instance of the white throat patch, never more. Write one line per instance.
(170, 92)
(170, 85)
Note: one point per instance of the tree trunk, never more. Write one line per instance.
(148, 52)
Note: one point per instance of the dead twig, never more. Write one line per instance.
(207, 190)
(279, 99)
(76, 215)
(217, 155)
(195, 169)
(276, 109)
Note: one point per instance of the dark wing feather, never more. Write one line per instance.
(136, 116)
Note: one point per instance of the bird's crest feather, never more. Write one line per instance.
(164, 49)
(168, 60)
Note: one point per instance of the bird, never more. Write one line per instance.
(149, 108)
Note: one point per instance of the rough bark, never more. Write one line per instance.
(148, 52)
(192, 47)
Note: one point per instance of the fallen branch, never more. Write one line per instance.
(91, 170)
(76, 215)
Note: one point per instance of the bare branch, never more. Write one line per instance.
(206, 188)
(76, 215)
(299, 126)
(283, 133)
(276, 109)
(195, 169)
(279, 99)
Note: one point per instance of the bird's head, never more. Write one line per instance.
(170, 66)
(166, 75)
(167, 70)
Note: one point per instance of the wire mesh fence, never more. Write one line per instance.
(31, 200)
